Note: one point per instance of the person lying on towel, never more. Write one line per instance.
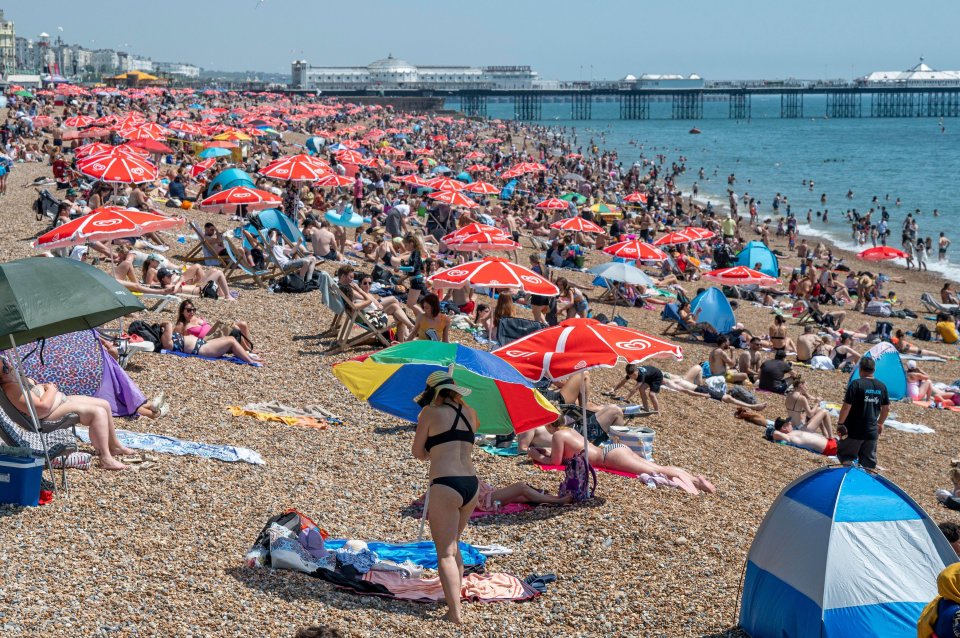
(783, 432)
(566, 443)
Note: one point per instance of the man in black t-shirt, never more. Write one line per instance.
(865, 408)
(774, 372)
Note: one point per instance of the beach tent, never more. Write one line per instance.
(842, 553)
(757, 253)
(229, 178)
(714, 309)
(889, 370)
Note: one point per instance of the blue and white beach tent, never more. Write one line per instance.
(715, 310)
(889, 370)
(842, 553)
(756, 252)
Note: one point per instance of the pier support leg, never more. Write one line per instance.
(740, 106)
(474, 105)
(687, 105)
(634, 106)
(581, 106)
(791, 105)
(844, 105)
(527, 106)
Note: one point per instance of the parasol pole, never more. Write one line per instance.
(18, 367)
(583, 412)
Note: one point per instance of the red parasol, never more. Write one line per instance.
(882, 253)
(494, 272)
(672, 239)
(331, 180)
(553, 203)
(453, 198)
(481, 188)
(118, 168)
(483, 241)
(201, 166)
(636, 196)
(636, 249)
(446, 184)
(105, 224)
(79, 121)
(231, 199)
(296, 168)
(473, 229)
(740, 276)
(577, 224)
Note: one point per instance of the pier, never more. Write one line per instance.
(843, 100)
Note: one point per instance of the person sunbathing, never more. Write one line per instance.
(490, 496)
(778, 336)
(369, 304)
(783, 432)
(920, 386)
(692, 383)
(804, 410)
(51, 404)
(214, 348)
(903, 346)
(192, 281)
(572, 390)
(565, 443)
(188, 322)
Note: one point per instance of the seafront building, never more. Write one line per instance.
(394, 73)
(919, 76)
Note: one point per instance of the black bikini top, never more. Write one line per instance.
(454, 433)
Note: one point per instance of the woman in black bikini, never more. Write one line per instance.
(445, 434)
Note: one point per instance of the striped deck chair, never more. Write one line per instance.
(238, 271)
(203, 251)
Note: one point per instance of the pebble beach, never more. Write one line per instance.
(159, 552)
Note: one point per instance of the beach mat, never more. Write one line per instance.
(200, 356)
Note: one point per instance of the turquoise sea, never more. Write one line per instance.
(912, 159)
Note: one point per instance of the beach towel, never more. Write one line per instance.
(476, 587)
(923, 357)
(513, 450)
(915, 428)
(311, 416)
(170, 445)
(560, 468)
(423, 553)
(200, 356)
(416, 509)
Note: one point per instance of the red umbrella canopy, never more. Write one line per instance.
(446, 184)
(296, 168)
(740, 276)
(331, 180)
(481, 188)
(413, 180)
(229, 200)
(201, 166)
(473, 229)
(118, 168)
(475, 168)
(473, 155)
(697, 233)
(483, 241)
(154, 146)
(636, 249)
(89, 150)
(79, 121)
(577, 224)
(672, 239)
(403, 165)
(494, 272)
(148, 131)
(882, 253)
(453, 198)
(553, 203)
(636, 196)
(105, 224)
(576, 345)
(348, 156)
(185, 127)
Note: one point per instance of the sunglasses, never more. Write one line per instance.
(365, 283)
(189, 309)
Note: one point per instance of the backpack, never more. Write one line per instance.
(923, 333)
(210, 290)
(147, 332)
(577, 478)
(291, 282)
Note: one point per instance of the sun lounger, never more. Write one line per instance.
(351, 317)
(239, 271)
(204, 251)
(677, 326)
(932, 305)
(55, 439)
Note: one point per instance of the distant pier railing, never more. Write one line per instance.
(843, 99)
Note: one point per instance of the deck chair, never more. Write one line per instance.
(203, 251)
(55, 439)
(677, 326)
(238, 270)
(352, 318)
(156, 302)
(934, 306)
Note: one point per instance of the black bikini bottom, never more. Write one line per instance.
(466, 486)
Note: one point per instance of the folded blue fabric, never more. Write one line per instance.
(513, 450)
(170, 445)
(200, 356)
(423, 554)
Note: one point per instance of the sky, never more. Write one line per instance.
(561, 39)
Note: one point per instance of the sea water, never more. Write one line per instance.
(914, 159)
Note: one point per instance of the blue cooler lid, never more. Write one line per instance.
(7, 460)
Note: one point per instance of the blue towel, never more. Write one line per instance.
(200, 356)
(513, 450)
(423, 553)
(170, 445)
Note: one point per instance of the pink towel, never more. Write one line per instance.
(476, 587)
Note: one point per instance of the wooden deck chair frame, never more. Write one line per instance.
(204, 252)
(354, 317)
(237, 271)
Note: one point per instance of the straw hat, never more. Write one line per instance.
(441, 379)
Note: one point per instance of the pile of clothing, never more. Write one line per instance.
(291, 540)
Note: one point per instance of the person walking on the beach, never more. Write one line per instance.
(865, 408)
(921, 251)
(942, 246)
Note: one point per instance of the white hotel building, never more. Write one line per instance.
(392, 73)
